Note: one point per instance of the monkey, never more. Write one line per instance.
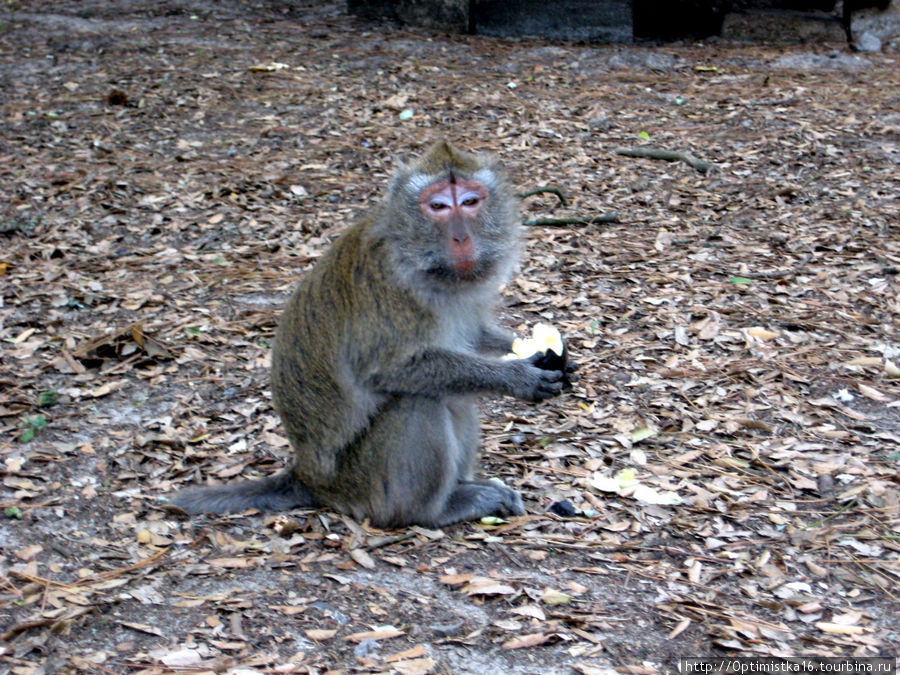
(383, 349)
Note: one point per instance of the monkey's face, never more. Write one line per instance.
(467, 230)
(455, 207)
(451, 220)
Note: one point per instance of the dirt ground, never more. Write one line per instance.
(721, 481)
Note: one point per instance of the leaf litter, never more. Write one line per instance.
(170, 173)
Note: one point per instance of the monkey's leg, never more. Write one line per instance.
(424, 450)
(470, 493)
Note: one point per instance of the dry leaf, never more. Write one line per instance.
(421, 666)
(532, 611)
(485, 586)
(891, 369)
(379, 634)
(553, 597)
(29, 552)
(761, 333)
(864, 361)
(361, 557)
(181, 658)
(524, 641)
(235, 563)
(680, 627)
(839, 628)
(411, 653)
(456, 579)
(872, 393)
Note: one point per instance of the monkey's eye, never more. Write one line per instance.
(471, 201)
(437, 206)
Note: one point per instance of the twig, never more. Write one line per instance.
(70, 615)
(610, 217)
(43, 581)
(373, 543)
(4, 581)
(781, 274)
(94, 578)
(558, 222)
(112, 574)
(667, 155)
(541, 190)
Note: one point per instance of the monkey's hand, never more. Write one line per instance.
(530, 382)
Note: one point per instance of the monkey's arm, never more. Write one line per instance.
(437, 371)
(493, 340)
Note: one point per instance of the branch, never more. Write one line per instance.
(782, 274)
(541, 190)
(610, 217)
(667, 155)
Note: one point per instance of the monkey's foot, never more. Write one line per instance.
(475, 500)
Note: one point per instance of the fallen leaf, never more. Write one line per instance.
(891, 369)
(839, 629)
(680, 627)
(421, 666)
(29, 552)
(872, 393)
(485, 586)
(380, 634)
(233, 563)
(412, 653)
(525, 641)
(532, 611)
(763, 334)
(181, 658)
(553, 597)
(361, 557)
(642, 434)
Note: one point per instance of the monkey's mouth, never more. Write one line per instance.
(461, 270)
(466, 268)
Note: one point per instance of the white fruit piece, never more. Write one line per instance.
(544, 337)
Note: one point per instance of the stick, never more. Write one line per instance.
(610, 217)
(667, 155)
(541, 190)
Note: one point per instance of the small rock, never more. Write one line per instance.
(442, 630)
(335, 614)
(825, 484)
(867, 42)
(182, 658)
(564, 509)
(600, 123)
(365, 648)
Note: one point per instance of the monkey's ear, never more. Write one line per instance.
(401, 176)
(408, 182)
(407, 163)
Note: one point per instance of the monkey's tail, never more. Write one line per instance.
(279, 492)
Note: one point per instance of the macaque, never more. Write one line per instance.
(383, 349)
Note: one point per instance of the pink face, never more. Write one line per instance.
(454, 206)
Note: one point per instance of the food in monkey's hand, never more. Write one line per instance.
(546, 341)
